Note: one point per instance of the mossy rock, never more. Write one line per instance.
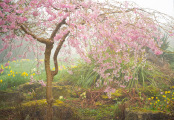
(6, 112)
(104, 97)
(10, 98)
(57, 91)
(64, 112)
(141, 114)
(150, 90)
(62, 83)
(28, 87)
(36, 110)
(38, 103)
(27, 91)
(102, 112)
(118, 94)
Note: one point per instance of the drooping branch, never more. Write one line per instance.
(42, 40)
(57, 28)
(113, 12)
(58, 9)
(57, 52)
(154, 15)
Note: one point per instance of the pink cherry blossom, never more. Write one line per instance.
(158, 52)
(2, 22)
(19, 11)
(1, 70)
(42, 83)
(6, 64)
(70, 72)
(123, 86)
(9, 54)
(35, 13)
(7, 1)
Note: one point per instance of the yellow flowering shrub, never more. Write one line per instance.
(163, 101)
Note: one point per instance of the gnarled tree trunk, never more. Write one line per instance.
(49, 96)
(49, 74)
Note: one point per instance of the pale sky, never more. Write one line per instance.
(165, 6)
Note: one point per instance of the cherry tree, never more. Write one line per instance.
(49, 22)
(106, 32)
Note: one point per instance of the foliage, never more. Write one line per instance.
(168, 54)
(149, 74)
(81, 74)
(13, 75)
(102, 112)
(163, 101)
(24, 70)
(119, 112)
(142, 75)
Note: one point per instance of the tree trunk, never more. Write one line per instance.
(49, 97)
(49, 74)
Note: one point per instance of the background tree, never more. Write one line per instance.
(108, 32)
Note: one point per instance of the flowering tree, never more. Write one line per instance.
(47, 22)
(108, 33)
(126, 32)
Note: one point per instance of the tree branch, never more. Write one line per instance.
(42, 40)
(128, 10)
(57, 52)
(57, 28)
(58, 9)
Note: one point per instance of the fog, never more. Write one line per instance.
(163, 6)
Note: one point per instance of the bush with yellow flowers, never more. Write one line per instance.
(163, 101)
(11, 77)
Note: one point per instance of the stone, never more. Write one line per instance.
(138, 114)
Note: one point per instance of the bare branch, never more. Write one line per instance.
(57, 52)
(58, 9)
(128, 10)
(42, 40)
(57, 28)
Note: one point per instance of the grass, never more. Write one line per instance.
(20, 71)
(13, 75)
(81, 75)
